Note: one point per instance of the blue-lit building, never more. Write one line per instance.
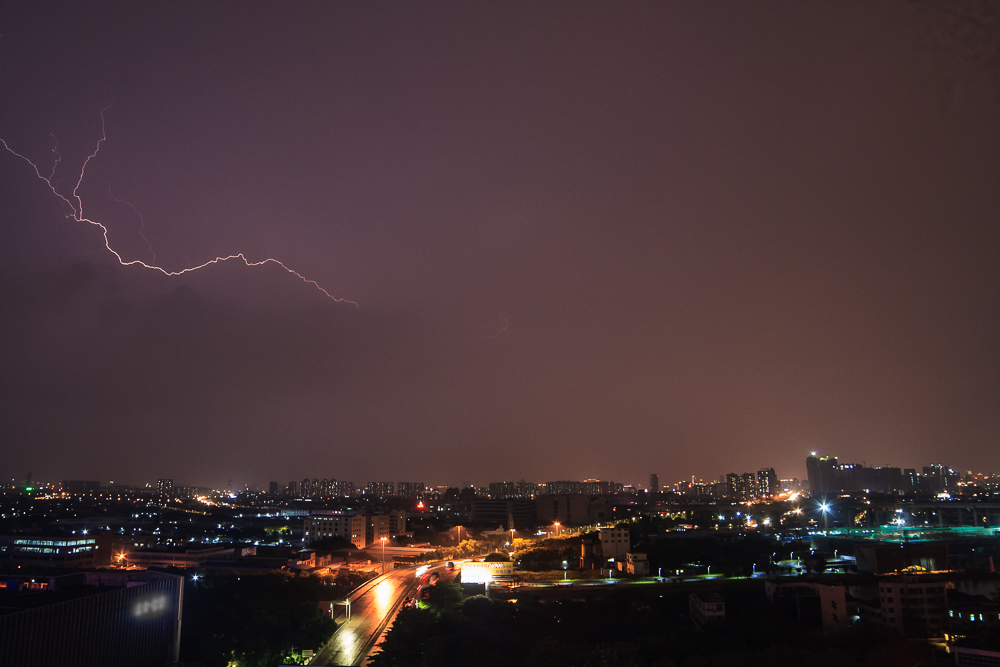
(56, 550)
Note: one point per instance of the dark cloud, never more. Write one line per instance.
(586, 241)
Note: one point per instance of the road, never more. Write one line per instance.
(373, 607)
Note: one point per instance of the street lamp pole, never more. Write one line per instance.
(383, 553)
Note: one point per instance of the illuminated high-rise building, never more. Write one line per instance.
(379, 489)
(740, 488)
(342, 489)
(821, 474)
(409, 490)
(503, 490)
(165, 487)
(767, 483)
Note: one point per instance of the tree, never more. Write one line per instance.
(443, 596)
(254, 620)
(815, 562)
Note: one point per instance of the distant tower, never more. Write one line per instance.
(654, 484)
(821, 474)
(272, 489)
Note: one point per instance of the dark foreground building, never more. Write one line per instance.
(91, 619)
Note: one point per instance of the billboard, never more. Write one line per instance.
(481, 573)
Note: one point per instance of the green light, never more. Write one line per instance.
(29, 488)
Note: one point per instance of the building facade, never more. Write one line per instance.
(504, 512)
(397, 523)
(165, 488)
(94, 620)
(323, 524)
(55, 550)
(615, 542)
(577, 509)
(179, 557)
(410, 490)
(706, 608)
(380, 490)
(810, 604)
(767, 484)
(636, 564)
(914, 602)
(377, 528)
(505, 490)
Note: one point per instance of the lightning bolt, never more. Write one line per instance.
(77, 215)
(504, 326)
(55, 151)
(497, 334)
(142, 221)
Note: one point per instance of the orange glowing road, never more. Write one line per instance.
(373, 607)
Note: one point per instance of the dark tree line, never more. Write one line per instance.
(728, 555)
(629, 629)
(253, 619)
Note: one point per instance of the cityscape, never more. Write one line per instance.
(906, 554)
(660, 333)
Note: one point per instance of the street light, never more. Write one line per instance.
(346, 602)
(556, 524)
(383, 553)
(825, 509)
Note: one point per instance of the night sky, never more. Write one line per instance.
(584, 239)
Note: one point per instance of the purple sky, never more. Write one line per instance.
(586, 239)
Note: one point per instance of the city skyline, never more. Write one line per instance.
(374, 486)
(579, 241)
(639, 480)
